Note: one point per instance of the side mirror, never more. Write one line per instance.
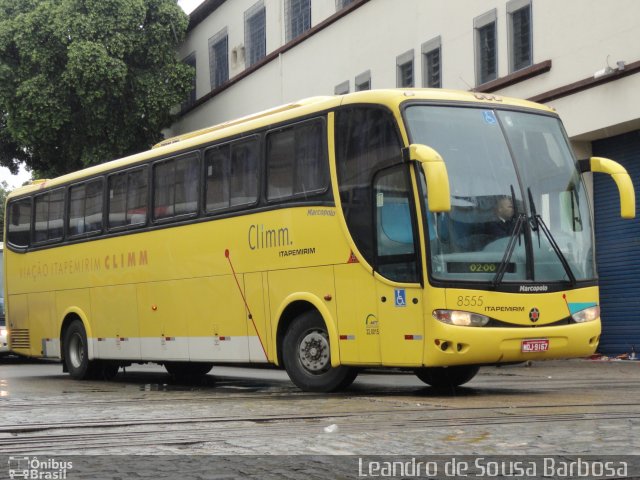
(623, 182)
(435, 171)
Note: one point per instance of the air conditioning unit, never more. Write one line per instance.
(237, 53)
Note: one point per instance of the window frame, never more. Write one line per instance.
(249, 15)
(479, 24)
(254, 136)
(91, 233)
(402, 61)
(48, 194)
(146, 172)
(322, 121)
(361, 80)
(513, 7)
(289, 19)
(427, 49)
(9, 214)
(180, 216)
(219, 37)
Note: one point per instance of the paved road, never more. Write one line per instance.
(573, 407)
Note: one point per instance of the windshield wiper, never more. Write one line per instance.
(515, 236)
(537, 224)
(556, 249)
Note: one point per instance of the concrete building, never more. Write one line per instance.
(580, 56)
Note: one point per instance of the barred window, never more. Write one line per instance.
(298, 15)
(219, 58)
(486, 47)
(520, 33)
(255, 36)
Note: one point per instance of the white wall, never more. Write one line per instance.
(576, 35)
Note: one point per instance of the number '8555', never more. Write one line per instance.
(470, 301)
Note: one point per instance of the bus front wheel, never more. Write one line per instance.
(447, 377)
(76, 353)
(307, 356)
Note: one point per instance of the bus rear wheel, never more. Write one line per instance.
(307, 356)
(188, 372)
(447, 377)
(76, 353)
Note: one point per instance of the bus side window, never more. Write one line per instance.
(85, 208)
(19, 227)
(296, 161)
(175, 184)
(127, 202)
(49, 209)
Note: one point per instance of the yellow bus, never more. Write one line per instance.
(431, 230)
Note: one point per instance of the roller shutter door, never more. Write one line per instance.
(618, 249)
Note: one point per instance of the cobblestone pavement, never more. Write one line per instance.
(549, 408)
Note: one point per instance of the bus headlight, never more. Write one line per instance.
(587, 315)
(3, 332)
(460, 318)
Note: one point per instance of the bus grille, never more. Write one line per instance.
(19, 338)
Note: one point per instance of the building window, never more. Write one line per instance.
(520, 34)
(342, 88)
(486, 47)
(340, 4)
(298, 15)
(363, 81)
(255, 34)
(191, 96)
(219, 58)
(431, 64)
(404, 70)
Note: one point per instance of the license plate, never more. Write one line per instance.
(534, 346)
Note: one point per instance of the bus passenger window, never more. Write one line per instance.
(296, 161)
(19, 227)
(128, 198)
(85, 208)
(217, 171)
(244, 173)
(49, 209)
(176, 187)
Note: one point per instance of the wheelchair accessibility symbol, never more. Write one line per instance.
(400, 295)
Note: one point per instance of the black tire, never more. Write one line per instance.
(307, 357)
(76, 353)
(447, 377)
(187, 372)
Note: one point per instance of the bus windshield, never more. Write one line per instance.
(519, 210)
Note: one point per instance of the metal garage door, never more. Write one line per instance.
(618, 249)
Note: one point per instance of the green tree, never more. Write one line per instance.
(86, 81)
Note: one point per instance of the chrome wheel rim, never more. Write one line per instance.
(76, 350)
(314, 352)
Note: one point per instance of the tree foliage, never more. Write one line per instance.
(86, 81)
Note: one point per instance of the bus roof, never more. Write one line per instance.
(390, 98)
